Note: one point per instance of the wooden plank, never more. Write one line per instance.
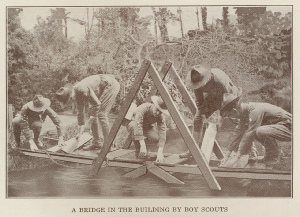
(118, 153)
(183, 90)
(73, 144)
(184, 131)
(118, 121)
(136, 172)
(243, 161)
(55, 148)
(208, 140)
(128, 142)
(86, 153)
(218, 151)
(187, 169)
(160, 173)
(153, 91)
(58, 156)
(174, 159)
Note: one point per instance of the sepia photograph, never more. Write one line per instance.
(174, 103)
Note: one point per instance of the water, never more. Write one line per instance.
(57, 181)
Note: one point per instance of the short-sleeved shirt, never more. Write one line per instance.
(145, 118)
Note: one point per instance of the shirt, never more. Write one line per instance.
(255, 115)
(144, 118)
(28, 116)
(209, 98)
(88, 90)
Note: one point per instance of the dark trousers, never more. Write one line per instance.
(268, 134)
(149, 132)
(35, 126)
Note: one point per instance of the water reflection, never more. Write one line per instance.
(56, 181)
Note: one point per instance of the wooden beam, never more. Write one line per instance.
(182, 89)
(136, 172)
(183, 129)
(249, 173)
(153, 91)
(128, 142)
(117, 123)
(160, 173)
(208, 140)
(191, 104)
(218, 151)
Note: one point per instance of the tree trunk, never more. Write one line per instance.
(198, 18)
(225, 17)
(204, 17)
(180, 20)
(66, 28)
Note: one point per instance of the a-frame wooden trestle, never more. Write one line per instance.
(196, 152)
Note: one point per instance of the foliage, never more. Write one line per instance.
(246, 15)
(163, 16)
(117, 39)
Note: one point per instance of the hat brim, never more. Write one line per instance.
(199, 84)
(68, 89)
(229, 106)
(154, 100)
(46, 105)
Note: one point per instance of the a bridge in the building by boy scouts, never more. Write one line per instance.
(203, 164)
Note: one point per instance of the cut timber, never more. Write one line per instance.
(209, 140)
(162, 174)
(118, 153)
(136, 172)
(72, 144)
(173, 159)
(55, 148)
(250, 173)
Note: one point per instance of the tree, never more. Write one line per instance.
(197, 13)
(204, 17)
(59, 15)
(179, 11)
(163, 16)
(225, 17)
(245, 15)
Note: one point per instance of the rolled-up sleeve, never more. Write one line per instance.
(255, 120)
(161, 127)
(237, 136)
(25, 123)
(56, 120)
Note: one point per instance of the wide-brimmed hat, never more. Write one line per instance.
(64, 93)
(198, 76)
(229, 99)
(39, 103)
(159, 103)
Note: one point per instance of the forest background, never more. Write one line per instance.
(255, 51)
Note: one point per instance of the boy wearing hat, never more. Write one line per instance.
(100, 92)
(31, 119)
(209, 85)
(143, 130)
(261, 121)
